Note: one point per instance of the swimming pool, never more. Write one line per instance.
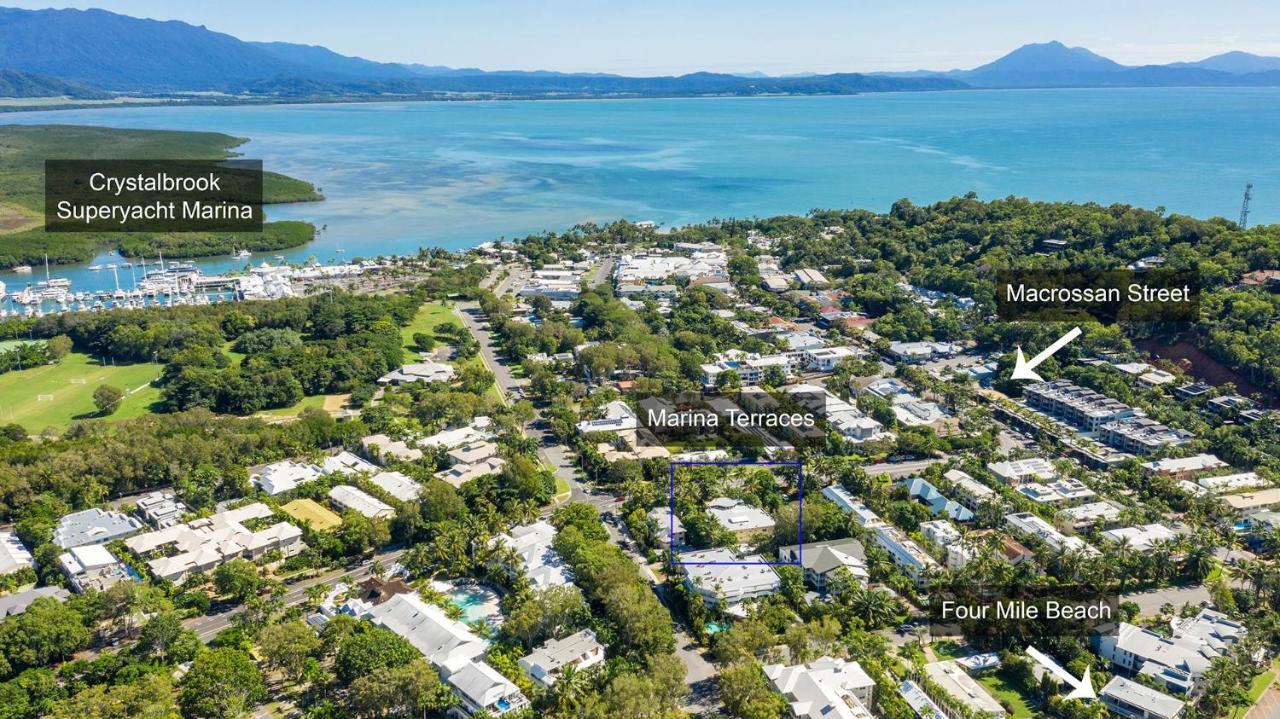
(476, 602)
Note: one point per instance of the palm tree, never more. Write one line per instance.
(874, 606)
(569, 691)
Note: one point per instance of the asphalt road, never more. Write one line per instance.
(206, 627)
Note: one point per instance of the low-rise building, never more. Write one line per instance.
(617, 417)
(849, 504)
(1064, 491)
(1033, 527)
(397, 484)
(93, 526)
(534, 544)
(1247, 503)
(160, 509)
(345, 497)
(281, 477)
(1174, 662)
(916, 698)
(1015, 472)
(1132, 700)
(418, 372)
(201, 545)
(1183, 467)
(384, 448)
(14, 604)
(820, 560)
(1105, 512)
(969, 490)
(1231, 483)
(92, 566)
(547, 662)
(922, 491)
(905, 553)
(720, 575)
(347, 463)
(670, 530)
(952, 678)
(14, 556)
(825, 688)
(460, 474)
(472, 453)
(740, 518)
(1075, 405)
(1142, 435)
(917, 352)
(1140, 538)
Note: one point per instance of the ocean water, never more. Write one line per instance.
(399, 176)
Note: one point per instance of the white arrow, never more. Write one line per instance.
(1022, 369)
(1081, 688)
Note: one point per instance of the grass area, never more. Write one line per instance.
(21, 391)
(1256, 689)
(1008, 695)
(562, 487)
(311, 512)
(315, 401)
(429, 315)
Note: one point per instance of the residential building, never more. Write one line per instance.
(533, 543)
(740, 518)
(1140, 538)
(928, 495)
(970, 491)
(811, 279)
(618, 417)
(14, 604)
(840, 415)
(1075, 405)
(1230, 483)
(460, 474)
(905, 553)
(472, 452)
(669, 528)
(826, 359)
(1140, 435)
(203, 544)
(1132, 700)
(919, 701)
(92, 566)
(418, 372)
(1064, 491)
(285, 476)
(481, 688)
(825, 688)
(398, 485)
(344, 497)
(1015, 472)
(1177, 663)
(580, 651)
(849, 504)
(474, 431)
(93, 526)
(951, 677)
(383, 448)
(1249, 502)
(160, 509)
(719, 574)
(347, 463)
(13, 554)
(820, 560)
(917, 352)
(1033, 527)
(1183, 467)
(909, 409)
(1105, 512)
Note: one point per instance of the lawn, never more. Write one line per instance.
(1256, 689)
(43, 397)
(1006, 693)
(429, 315)
(312, 513)
(315, 401)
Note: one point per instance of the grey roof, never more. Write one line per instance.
(1155, 703)
(822, 557)
(93, 526)
(12, 604)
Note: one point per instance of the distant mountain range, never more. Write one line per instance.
(81, 53)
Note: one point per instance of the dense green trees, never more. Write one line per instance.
(221, 684)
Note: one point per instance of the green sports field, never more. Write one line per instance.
(55, 395)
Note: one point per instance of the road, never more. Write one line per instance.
(897, 470)
(206, 627)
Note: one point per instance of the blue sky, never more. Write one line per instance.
(774, 36)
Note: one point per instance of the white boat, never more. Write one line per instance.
(95, 268)
(241, 254)
(22, 269)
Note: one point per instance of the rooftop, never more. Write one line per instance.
(93, 526)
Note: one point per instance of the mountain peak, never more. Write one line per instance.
(1052, 56)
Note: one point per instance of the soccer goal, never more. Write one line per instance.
(44, 398)
(79, 380)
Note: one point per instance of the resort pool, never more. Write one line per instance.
(476, 602)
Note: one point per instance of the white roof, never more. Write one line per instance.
(1018, 469)
(87, 558)
(954, 680)
(398, 485)
(751, 577)
(348, 497)
(284, 476)
(206, 542)
(826, 688)
(1196, 463)
(460, 474)
(1233, 482)
(390, 448)
(479, 682)
(1141, 537)
(476, 431)
(556, 653)
(347, 463)
(13, 554)
(617, 416)
(1157, 705)
(428, 629)
(542, 565)
(737, 516)
(93, 526)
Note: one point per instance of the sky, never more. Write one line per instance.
(655, 37)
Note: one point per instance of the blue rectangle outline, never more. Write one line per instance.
(671, 513)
